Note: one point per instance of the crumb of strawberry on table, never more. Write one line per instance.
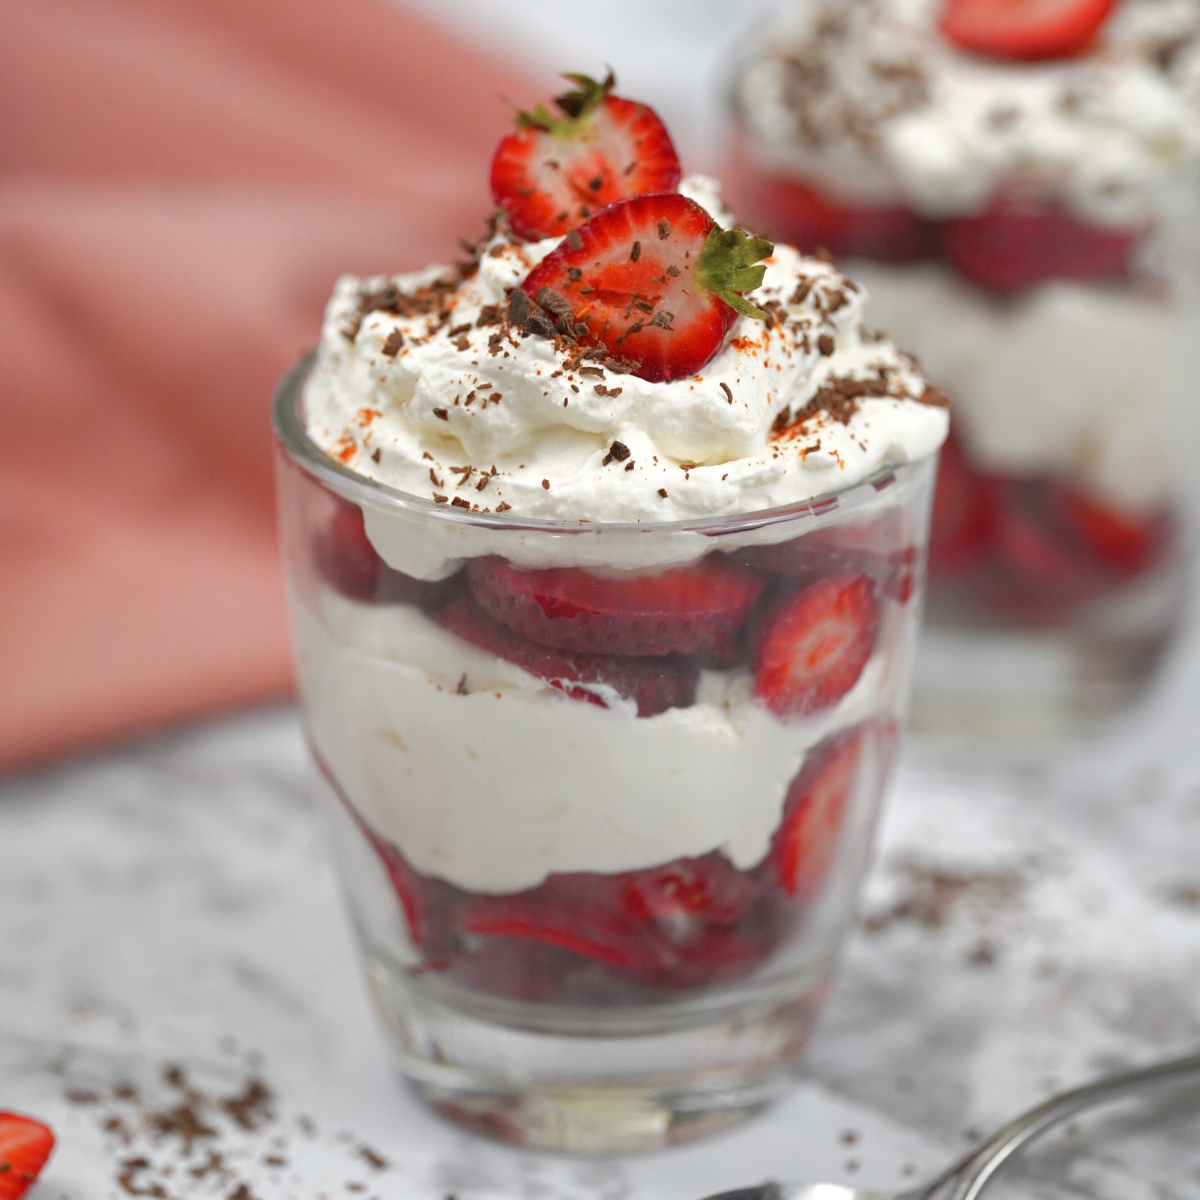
(25, 1145)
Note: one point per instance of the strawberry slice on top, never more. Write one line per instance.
(556, 171)
(654, 279)
(1025, 30)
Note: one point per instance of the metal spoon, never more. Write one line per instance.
(968, 1177)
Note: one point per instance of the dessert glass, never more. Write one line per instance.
(598, 897)
(1058, 311)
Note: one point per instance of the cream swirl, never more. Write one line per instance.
(421, 383)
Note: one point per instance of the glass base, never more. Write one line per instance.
(669, 1073)
(1029, 686)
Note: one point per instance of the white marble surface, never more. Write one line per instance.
(1024, 929)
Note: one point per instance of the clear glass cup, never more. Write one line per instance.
(1070, 346)
(598, 895)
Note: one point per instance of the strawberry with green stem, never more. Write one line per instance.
(556, 171)
(655, 280)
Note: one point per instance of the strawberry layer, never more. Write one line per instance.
(427, 735)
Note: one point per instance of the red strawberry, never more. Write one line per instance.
(345, 556)
(806, 841)
(656, 684)
(814, 643)
(654, 279)
(875, 548)
(555, 172)
(25, 1144)
(683, 916)
(963, 512)
(1123, 542)
(1011, 247)
(1024, 29)
(811, 220)
(347, 560)
(682, 610)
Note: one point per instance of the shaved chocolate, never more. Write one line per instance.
(395, 340)
(618, 451)
(825, 344)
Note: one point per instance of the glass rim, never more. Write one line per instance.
(293, 438)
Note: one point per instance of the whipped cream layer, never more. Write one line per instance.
(1092, 383)
(429, 737)
(438, 395)
(866, 99)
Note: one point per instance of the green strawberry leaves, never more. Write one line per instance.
(730, 263)
(576, 104)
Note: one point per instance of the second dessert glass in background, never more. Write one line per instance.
(1025, 214)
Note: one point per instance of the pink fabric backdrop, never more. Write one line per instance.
(180, 183)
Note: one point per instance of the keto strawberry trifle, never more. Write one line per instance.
(606, 551)
(1017, 184)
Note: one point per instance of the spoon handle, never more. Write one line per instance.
(968, 1177)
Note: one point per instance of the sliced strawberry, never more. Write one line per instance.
(346, 559)
(656, 684)
(25, 1144)
(812, 220)
(688, 893)
(555, 172)
(1024, 29)
(814, 643)
(674, 921)
(345, 556)
(806, 841)
(1010, 247)
(683, 610)
(875, 548)
(963, 512)
(1122, 542)
(655, 280)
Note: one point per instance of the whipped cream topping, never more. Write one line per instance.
(423, 731)
(866, 99)
(422, 383)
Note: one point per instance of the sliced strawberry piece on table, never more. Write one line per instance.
(1010, 247)
(1024, 29)
(656, 684)
(812, 220)
(682, 610)
(814, 644)
(25, 1144)
(806, 841)
(655, 280)
(556, 171)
